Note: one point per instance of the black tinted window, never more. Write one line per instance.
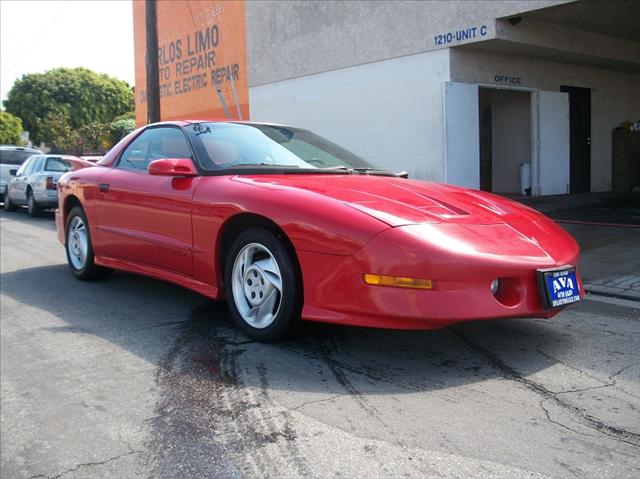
(14, 157)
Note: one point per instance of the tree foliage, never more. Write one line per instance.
(76, 96)
(10, 129)
(121, 128)
(57, 132)
(130, 115)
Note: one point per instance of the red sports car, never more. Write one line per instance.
(287, 226)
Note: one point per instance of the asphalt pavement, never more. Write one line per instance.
(132, 377)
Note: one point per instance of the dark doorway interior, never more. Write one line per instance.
(484, 108)
(580, 137)
(505, 138)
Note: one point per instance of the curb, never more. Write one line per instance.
(628, 294)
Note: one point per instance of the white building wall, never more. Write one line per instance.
(388, 112)
(296, 38)
(613, 95)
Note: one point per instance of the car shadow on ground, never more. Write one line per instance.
(45, 220)
(182, 331)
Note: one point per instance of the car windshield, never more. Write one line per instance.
(58, 164)
(226, 145)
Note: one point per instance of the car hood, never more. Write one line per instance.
(398, 202)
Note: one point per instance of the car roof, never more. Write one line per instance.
(20, 148)
(186, 122)
(64, 157)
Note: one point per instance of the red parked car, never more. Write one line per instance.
(287, 225)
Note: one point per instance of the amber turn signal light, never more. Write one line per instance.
(397, 281)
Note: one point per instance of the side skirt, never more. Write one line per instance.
(145, 270)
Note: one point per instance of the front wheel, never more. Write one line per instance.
(79, 250)
(262, 285)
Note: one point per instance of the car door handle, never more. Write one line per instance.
(104, 187)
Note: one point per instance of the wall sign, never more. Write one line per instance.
(202, 60)
(506, 79)
(460, 35)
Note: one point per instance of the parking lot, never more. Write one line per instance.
(132, 377)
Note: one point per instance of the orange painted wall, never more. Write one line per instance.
(202, 58)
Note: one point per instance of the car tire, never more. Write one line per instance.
(8, 204)
(79, 250)
(33, 208)
(263, 285)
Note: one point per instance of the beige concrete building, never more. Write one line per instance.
(457, 91)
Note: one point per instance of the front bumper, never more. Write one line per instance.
(462, 263)
(60, 226)
(47, 199)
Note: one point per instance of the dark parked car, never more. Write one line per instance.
(11, 158)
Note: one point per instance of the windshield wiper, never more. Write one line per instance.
(365, 171)
(346, 169)
(264, 164)
(341, 168)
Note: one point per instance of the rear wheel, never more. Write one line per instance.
(79, 250)
(33, 207)
(262, 286)
(8, 204)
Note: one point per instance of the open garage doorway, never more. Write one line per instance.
(505, 138)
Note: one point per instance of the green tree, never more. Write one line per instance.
(10, 129)
(92, 136)
(121, 128)
(130, 115)
(57, 132)
(77, 95)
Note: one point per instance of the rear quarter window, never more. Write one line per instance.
(57, 164)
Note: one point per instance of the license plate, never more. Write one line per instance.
(558, 287)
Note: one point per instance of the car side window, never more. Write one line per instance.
(35, 165)
(154, 144)
(57, 164)
(26, 166)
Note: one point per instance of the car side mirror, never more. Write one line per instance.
(172, 167)
(13, 172)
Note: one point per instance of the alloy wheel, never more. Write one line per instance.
(77, 242)
(257, 285)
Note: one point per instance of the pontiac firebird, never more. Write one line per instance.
(287, 226)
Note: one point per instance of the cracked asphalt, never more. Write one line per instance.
(132, 377)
